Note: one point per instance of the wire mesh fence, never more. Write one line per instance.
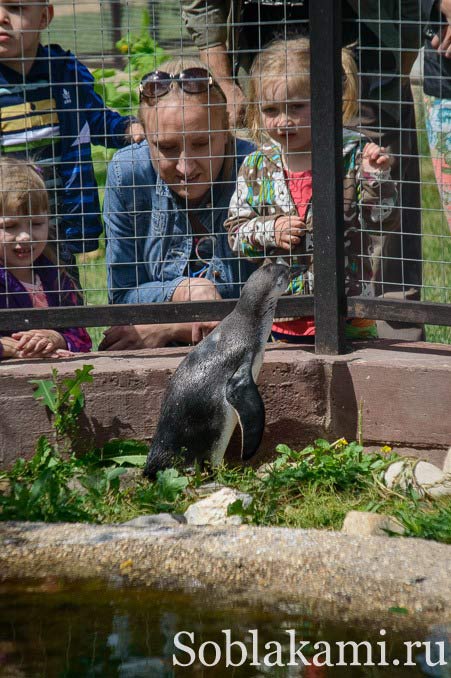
(136, 176)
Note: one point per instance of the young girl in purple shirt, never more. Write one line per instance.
(29, 275)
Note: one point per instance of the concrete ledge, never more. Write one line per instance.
(353, 579)
(404, 388)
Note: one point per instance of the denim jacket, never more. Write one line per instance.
(149, 237)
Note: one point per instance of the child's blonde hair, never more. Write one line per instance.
(290, 60)
(22, 189)
(23, 193)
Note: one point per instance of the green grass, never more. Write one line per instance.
(94, 283)
(312, 488)
(89, 33)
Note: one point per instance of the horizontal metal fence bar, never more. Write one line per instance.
(197, 311)
(400, 310)
(134, 314)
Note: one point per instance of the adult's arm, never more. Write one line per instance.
(121, 338)
(208, 24)
(8, 348)
(206, 21)
(106, 127)
(442, 40)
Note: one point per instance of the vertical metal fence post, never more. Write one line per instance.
(327, 166)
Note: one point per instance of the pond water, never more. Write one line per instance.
(54, 628)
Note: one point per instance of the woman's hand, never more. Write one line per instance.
(288, 232)
(38, 343)
(374, 158)
(197, 289)
(135, 337)
(201, 330)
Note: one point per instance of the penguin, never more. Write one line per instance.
(214, 387)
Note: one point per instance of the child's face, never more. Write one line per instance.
(286, 117)
(22, 240)
(20, 27)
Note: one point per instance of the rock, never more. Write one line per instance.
(393, 477)
(420, 475)
(363, 523)
(157, 520)
(208, 488)
(432, 480)
(213, 509)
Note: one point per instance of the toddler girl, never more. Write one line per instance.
(29, 276)
(270, 212)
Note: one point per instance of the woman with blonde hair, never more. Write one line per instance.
(166, 201)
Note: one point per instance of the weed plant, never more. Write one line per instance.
(311, 488)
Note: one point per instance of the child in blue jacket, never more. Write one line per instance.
(51, 114)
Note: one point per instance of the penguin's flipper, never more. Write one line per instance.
(242, 394)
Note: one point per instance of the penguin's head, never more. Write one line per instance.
(269, 281)
(281, 275)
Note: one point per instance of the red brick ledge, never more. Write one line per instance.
(404, 388)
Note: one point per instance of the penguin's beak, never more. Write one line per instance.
(294, 269)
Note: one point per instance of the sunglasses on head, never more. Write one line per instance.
(190, 80)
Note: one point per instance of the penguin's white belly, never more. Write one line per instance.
(230, 421)
(257, 364)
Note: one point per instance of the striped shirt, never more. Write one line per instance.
(52, 117)
(29, 127)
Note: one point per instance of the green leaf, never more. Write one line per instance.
(121, 447)
(112, 473)
(138, 460)
(398, 610)
(237, 509)
(145, 20)
(82, 376)
(169, 484)
(101, 73)
(47, 391)
(283, 449)
(322, 445)
(38, 487)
